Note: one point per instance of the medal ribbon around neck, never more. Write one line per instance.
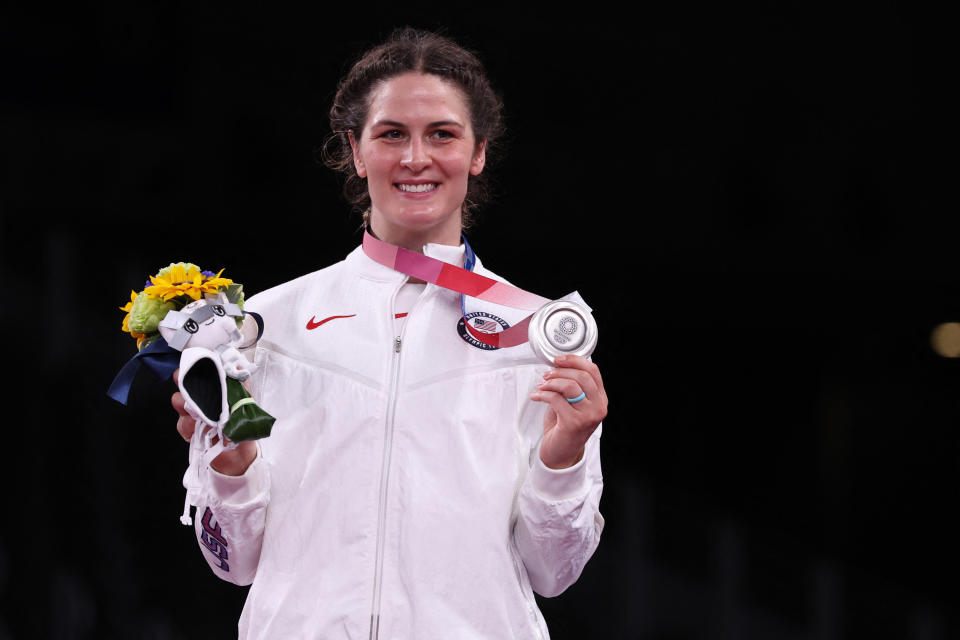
(462, 280)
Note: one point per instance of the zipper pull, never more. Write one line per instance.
(396, 344)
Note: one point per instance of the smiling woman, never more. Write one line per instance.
(418, 482)
(466, 90)
(417, 153)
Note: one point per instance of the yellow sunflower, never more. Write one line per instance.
(185, 279)
(126, 319)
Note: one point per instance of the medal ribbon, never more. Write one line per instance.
(463, 281)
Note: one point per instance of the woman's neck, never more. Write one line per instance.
(415, 239)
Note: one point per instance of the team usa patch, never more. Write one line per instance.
(483, 322)
(212, 538)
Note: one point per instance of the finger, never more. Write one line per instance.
(176, 377)
(583, 364)
(179, 403)
(556, 401)
(186, 426)
(586, 382)
(567, 388)
(551, 415)
(579, 363)
(582, 378)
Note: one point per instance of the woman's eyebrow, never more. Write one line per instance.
(400, 125)
(446, 123)
(388, 123)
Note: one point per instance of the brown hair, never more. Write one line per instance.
(407, 50)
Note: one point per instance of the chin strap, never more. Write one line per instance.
(192, 480)
(202, 452)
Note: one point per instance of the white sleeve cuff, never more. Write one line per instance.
(559, 484)
(237, 490)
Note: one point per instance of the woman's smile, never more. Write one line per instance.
(407, 187)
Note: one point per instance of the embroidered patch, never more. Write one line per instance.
(213, 540)
(483, 322)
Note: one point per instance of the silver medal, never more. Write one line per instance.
(562, 327)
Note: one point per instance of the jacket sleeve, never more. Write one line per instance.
(230, 520)
(559, 523)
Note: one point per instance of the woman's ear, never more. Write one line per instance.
(357, 158)
(479, 159)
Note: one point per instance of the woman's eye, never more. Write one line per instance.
(393, 134)
(442, 134)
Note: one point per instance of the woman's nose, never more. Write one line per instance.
(416, 156)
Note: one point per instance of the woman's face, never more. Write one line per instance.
(416, 151)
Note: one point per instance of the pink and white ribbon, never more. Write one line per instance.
(462, 281)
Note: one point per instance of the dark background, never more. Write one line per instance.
(746, 195)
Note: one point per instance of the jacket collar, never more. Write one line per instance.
(364, 266)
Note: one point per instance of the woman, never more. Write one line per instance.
(410, 488)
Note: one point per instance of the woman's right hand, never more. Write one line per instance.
(233, 462)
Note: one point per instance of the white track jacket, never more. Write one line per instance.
(401, 494)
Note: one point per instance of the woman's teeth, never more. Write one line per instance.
(417, 188)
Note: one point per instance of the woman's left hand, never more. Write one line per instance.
(568, 425)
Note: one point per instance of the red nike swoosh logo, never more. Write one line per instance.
(313, 324)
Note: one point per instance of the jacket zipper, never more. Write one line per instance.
(385, 468)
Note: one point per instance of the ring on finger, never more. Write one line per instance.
(583, 394)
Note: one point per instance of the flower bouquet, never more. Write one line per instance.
(190, 319)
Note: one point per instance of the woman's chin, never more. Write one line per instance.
(421, 218)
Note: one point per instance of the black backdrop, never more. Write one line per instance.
(745, 196)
